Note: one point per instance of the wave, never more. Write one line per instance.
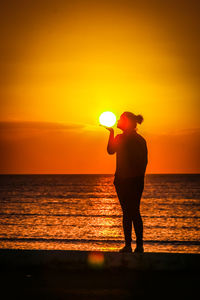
(98, 216)
(59, 215)
(78, 195)
(86, 241)
(107, 226)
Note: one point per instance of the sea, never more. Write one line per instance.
(82, 212)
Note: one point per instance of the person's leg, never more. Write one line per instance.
(134, 196)
(138, 227)
(127, 218)
(127, 227)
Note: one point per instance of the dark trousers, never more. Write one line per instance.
(129, 192)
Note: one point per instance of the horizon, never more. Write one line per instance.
(94, 174)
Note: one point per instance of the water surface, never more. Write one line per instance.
(82, 212)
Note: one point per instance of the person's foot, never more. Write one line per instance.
(126, 249)
(139, 249)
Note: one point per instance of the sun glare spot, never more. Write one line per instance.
(96, 259)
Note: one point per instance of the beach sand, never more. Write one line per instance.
(57, 274)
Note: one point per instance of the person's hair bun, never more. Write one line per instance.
(139, 119)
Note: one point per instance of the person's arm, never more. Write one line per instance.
(111, 142)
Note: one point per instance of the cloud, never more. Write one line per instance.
(182, 132)
(20, 130)
(29, 125)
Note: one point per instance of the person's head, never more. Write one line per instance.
(128, 121)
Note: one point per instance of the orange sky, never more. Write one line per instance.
(65, 62)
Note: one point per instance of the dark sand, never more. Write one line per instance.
(55, 274)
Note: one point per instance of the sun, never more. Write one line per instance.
(107, 118)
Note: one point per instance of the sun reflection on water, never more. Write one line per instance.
(78, 221)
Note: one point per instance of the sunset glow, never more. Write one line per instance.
(63, 63)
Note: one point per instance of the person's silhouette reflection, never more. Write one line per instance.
(131, 161)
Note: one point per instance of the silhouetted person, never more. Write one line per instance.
(131, 161)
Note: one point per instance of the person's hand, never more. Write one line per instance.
(108, 128)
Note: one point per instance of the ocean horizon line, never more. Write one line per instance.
(111, 174)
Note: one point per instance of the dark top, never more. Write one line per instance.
(131, 155)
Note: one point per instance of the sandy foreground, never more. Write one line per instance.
(58, 274)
